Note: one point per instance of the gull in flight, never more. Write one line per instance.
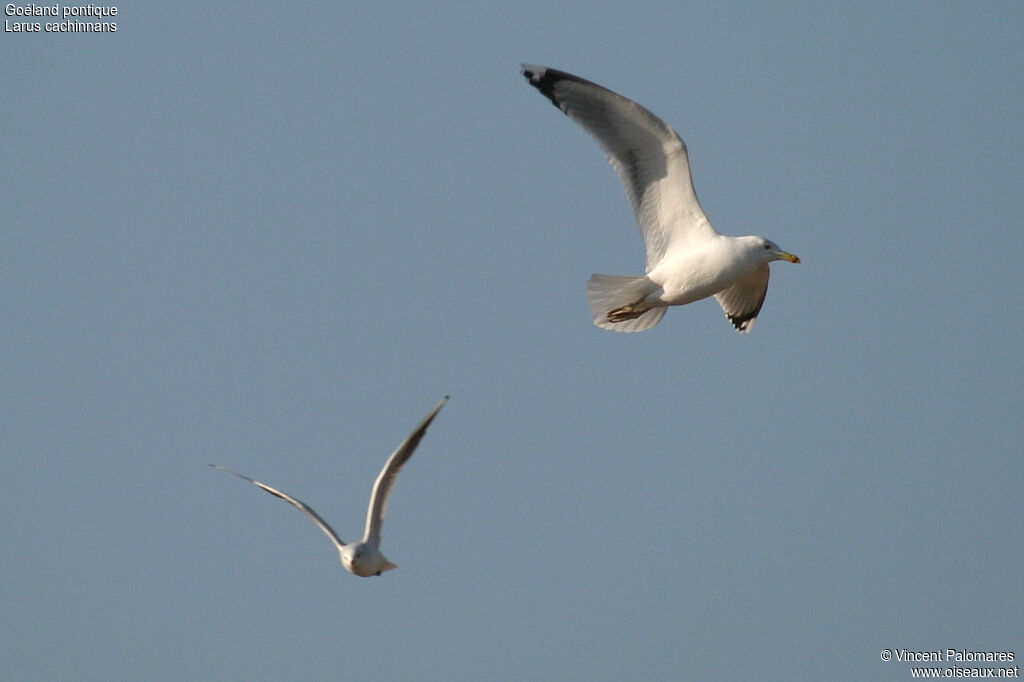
(362, 558)
(687, 260)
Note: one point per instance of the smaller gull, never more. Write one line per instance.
(687, 260)
(362, 558)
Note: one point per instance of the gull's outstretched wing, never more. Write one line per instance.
(743, 300)
(386, 478)
(302, 506)
(648, 155)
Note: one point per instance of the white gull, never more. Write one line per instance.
(687, 260)
(362, 558)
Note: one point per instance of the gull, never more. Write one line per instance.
(687, 260)
(362, 558)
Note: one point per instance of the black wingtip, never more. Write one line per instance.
(545, 79)
(530, 71)
(743, 323)
(537, 77)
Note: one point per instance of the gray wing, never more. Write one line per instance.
(302, 506)
(649, 157)
(743, 300)
(386, 478)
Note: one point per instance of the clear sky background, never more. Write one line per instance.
(272, 237)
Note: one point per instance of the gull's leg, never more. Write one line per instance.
(626, 312)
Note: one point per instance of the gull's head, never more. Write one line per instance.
(769, 251)
(348, 557)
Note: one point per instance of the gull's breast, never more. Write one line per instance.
(695, 274)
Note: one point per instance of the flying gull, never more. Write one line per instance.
(687, 260)
(362, 558)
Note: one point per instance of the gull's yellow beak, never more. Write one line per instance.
(788, 256)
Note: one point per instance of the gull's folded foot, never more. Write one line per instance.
(626, 312)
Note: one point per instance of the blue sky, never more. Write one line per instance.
(273, 238)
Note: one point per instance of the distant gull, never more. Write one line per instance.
(363, 558)
(687, 260)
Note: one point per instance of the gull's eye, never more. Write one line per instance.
(767, 245)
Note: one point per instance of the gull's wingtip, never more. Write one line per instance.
(532, 71)
(545, 79)
(541, 78)
(233, 473)
(422, 428)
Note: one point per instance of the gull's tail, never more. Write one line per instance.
(612, 293)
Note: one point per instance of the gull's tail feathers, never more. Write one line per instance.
(608, 293)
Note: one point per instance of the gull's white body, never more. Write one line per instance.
(687, 260)
(362, 558)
